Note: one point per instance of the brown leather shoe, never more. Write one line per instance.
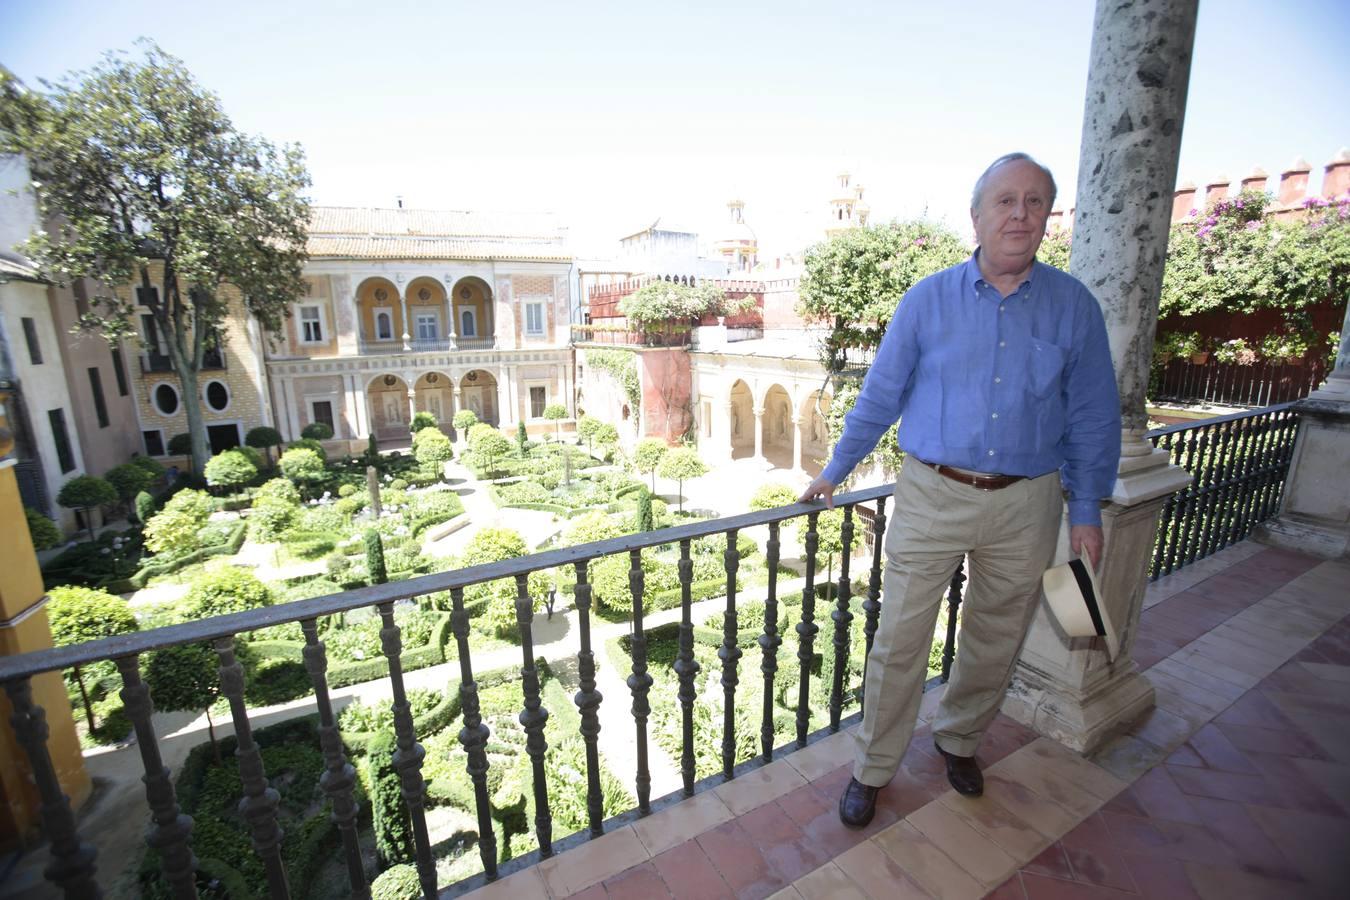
(858, 804)
(963, 773)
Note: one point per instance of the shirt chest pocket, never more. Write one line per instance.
(1045, 368)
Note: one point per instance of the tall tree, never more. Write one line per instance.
(147, 184)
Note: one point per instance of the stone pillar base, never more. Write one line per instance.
(1080, 719)
(1068, 689)
(1314, 513)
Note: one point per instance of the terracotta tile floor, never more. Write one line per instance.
(1243, 791)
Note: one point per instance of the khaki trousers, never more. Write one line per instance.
(1009, 536)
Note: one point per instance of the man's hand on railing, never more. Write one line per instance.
(820, 489)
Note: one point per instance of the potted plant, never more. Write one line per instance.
(1182, 345)
(1282, 348)
(1235, 352)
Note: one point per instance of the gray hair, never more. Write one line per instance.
(1003, 160)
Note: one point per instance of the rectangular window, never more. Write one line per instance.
(311, 325)
(119, 370)
(65, 457)
(322, 411)
(468, 323)
(146, 296)
(384, 324)
(96, 388)
(428, 326)
(154, 442)
(150, 334)
(534, 319)
(538, 400)
(30, 335)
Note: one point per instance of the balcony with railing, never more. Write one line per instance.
(703, 758)
(427, 345)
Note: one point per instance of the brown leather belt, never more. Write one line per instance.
(971, 479)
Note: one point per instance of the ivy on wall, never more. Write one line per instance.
(622, 366)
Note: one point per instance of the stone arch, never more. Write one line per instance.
(434, 393)
(428, 313)
(741, 408)
(776, 440)
(474, 310)
(390, 413)
(478, 392)
(379, 312)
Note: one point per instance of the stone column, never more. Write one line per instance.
(403, 304)
(759, 433)
(1315, 508)
(1136, 103)
(723, 437)
(797, 443)
(291, 403)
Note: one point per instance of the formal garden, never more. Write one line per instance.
(269, 523)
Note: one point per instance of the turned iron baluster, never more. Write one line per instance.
(409, 753)
(842, 619)
(769, 641)
(686, 668)
(588, 700)
(872, 605)
(806, 630)
(339, 776)
(171, 829)
(72, 866)
(473, 736)
(953, 608)
(730, 655)
(533, 717)
(259, 804)
(639, 683)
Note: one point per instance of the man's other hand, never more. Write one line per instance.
(820, 489)
(1089, 538)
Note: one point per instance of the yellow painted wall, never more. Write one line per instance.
(20, 590)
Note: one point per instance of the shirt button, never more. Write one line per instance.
(994, 416)
(997, 380)
(1000, 309)
(1003, 343)
(991, 452)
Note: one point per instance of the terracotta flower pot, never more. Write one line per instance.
(1200, 358)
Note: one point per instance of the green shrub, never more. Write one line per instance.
(270, 517)
(230, 470)
(420, 421)
(180, 445)
(464, 420)
(346, 490)
(389, 815)
(432, 449)
(263, 437)
(593, 526)
(348, 507)
(361, 717)
(772, 495)
(278, 489)
(429, 508)
(303, 465)
(645, 520)
(375, 557)
(145, 506)
(176, 529)
(146, 464)
(86, 492)
(128, 480)
(78, 614)
(43, 530)
(398, 484)
(397, 882)
(226, 590)
(316, 431)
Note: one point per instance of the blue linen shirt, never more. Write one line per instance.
(1016, 385)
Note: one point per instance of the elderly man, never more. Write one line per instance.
(1000, 373)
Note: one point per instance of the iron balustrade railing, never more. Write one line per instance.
(73, 863)
(1230, 384)
(1238, 465)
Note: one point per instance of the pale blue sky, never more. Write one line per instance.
(611, 114)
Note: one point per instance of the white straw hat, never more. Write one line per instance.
(1072, 594)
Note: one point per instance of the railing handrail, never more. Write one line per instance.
(58, 658)
(1219, 420)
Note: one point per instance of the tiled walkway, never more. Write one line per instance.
(1236, 786)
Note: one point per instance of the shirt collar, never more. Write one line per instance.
(972, 278)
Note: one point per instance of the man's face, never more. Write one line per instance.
(1010, 219)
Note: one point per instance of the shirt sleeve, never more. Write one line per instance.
(1091, 442)
(883, 391)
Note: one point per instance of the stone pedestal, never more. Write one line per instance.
(1067, 688)
(1315, 508)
